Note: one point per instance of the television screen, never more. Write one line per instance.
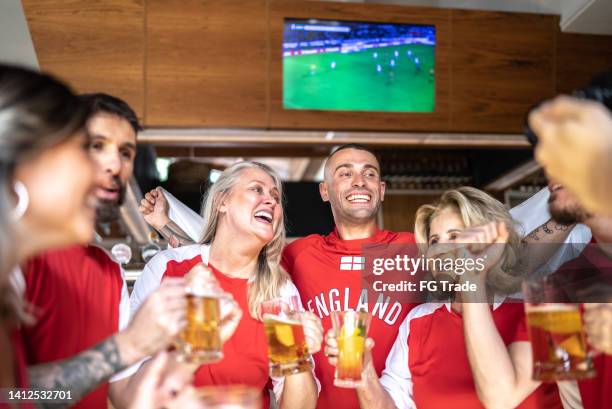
(358, 66)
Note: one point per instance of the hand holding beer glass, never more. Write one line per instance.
(287, 343)
(212, 317)
(346, 346)
(558, 341)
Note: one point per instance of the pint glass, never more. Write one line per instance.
(287, 349)
(558, 342)
(351, 330)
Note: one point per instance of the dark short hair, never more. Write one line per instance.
(356, 146)
(101, 102)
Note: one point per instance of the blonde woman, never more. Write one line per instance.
(471, 349)
(244, 235)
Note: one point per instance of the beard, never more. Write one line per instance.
(567, 215)
(108, 210)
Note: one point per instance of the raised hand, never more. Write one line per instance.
(154, 208)
(574, 147)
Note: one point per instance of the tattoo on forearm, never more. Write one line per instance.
(80, 374)
(534, 235)
(547, 229)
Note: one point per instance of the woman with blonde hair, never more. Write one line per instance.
(244, 235)
(470, 349)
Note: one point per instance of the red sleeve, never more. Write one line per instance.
(288, 258)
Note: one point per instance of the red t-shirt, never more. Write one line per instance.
(581, 277)
(327, 272)
(79, 298)
(245, 354)
(428, 365)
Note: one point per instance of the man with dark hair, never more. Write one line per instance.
(588, 279)
(79, 294)
(111, 116)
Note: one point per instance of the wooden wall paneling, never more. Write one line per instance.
(281, 118)
(94, 46)
(206, 63)
(502, 63)
(579, 57)
(399, 210)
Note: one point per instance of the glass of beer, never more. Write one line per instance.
(200, 341)
(558, 342)
(287, 349)
(230, 397)
(351, 330)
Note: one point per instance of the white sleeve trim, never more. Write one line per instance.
(148, 281)
(278, 382)
(396, 377)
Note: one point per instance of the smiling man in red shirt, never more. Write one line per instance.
(328, 270)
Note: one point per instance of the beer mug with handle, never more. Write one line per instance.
(287, 349)
(558, 342)
(200, 342)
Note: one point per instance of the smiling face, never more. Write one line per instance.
(252, 207)
(443, 229)
(353, 186)
(445, 226)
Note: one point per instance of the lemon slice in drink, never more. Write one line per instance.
(573, 346)
(284, 334)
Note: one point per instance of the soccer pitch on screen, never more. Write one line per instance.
(355, 66)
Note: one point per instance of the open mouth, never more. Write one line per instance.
(264, 216)
(107, 193)
(359, 198)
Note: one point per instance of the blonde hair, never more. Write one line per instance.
(475, 208)
(269, 277)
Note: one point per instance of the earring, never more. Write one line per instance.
(23, 200)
